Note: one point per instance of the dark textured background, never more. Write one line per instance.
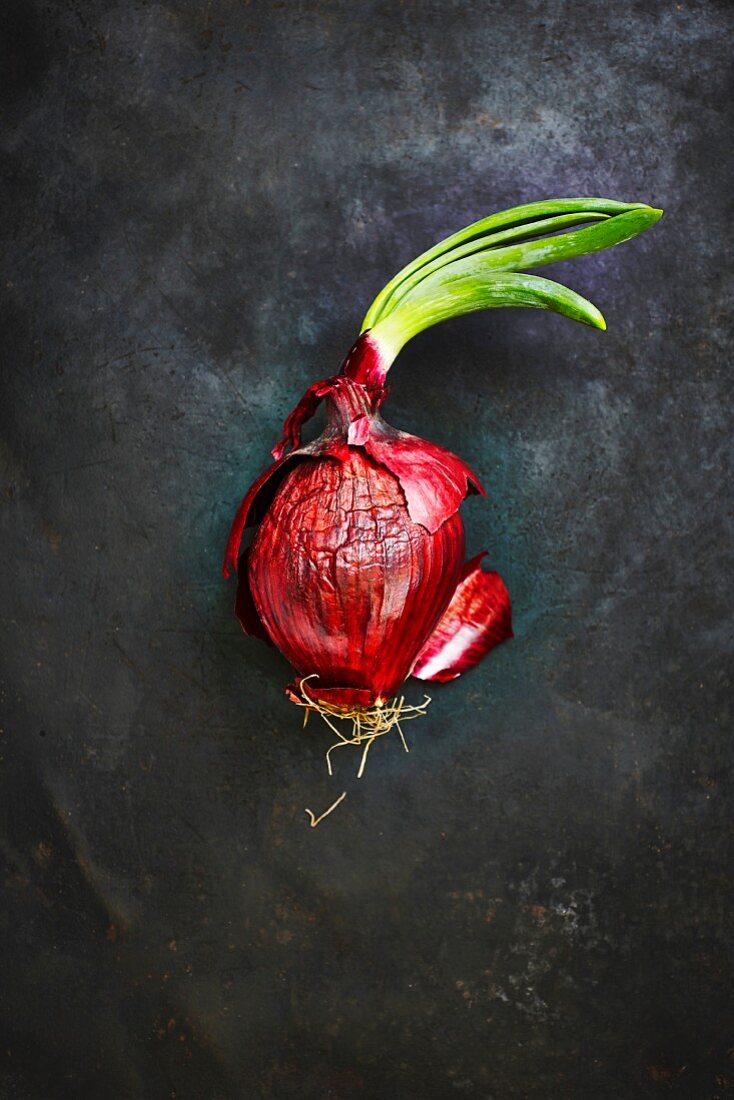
(202, 199)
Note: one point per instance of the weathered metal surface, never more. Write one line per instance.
(202, 199)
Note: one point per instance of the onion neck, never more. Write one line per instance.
(368, 362)
(346, 402)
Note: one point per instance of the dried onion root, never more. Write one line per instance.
(317, 820)
(368, 723)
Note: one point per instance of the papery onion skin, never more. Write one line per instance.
(358, 548)
(477, 619)
(346, 585)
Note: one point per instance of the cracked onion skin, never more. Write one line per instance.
(345, 583)
(358, 550)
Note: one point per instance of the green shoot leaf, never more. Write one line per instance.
(479, 267)
(484, 234)
(540, 228)
(449, 294)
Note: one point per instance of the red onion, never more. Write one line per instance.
(356, 569)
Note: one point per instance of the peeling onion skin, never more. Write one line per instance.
(345, 583)
(358, 547)
(477, 619)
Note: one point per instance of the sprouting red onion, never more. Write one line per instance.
(356, 568)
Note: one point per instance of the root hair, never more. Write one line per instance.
(368, 723)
